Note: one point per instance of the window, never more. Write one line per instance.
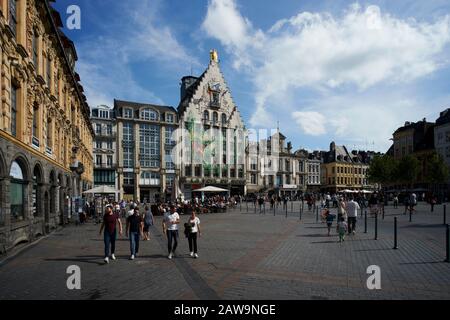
(128, 113)
(149, 114)
(215, 98)
(98, 160)
(279, 180)
(149, 136)
(95, 113)
(35, 50)
(170, 118)
(13, 16)
(253, 165)
(215, 117)
(206, 115)
(98, 128)
(128, 178)
(14, 108)
(128, 145)
(49, 133)
(169, 136)
(224, 119)
(104, 177)
(109, 160)
(98, 144)
(170, 179)
(109, 145)
(17, 192)
(35, 123)
(253, 178)
(150, 178)
(109, 129)
(49, 71)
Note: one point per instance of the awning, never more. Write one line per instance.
(211, 189)
(102, 189)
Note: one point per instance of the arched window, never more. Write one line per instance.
(149, 114)
(215, 117)
(206, 115)
(17, 192)
(49, 134)
(224, 119)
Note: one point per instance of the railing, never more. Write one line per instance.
(104, 166)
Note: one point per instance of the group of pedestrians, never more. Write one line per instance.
(347, 213)
(138, 226)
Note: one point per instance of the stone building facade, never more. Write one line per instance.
(45, 133)
(104, 150)
(212, 134)
(144, 143)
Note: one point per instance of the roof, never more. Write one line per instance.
(122, 103)
(190, 92)
(444, 117)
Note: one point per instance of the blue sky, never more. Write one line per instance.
(346, 71)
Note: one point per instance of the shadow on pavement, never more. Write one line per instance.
(98, 260)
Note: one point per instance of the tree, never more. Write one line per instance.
(408, 170)
(382, 170)
(437, 171)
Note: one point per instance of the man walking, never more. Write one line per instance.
(134, 228)
(170, 227)
(352, 213)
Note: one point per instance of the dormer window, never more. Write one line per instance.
(149, 114)
(215, 97)
(128, 113)
(170, 118)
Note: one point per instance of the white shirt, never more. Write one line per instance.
(196, 222)
(352, 208)
(171, 217)
(131, 212)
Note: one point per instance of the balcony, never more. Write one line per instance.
(103, 134)
(35, 142)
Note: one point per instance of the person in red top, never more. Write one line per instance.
(110, 220)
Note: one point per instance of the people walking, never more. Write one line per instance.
(170, 228)
(193, 232)
(342, 228)
(134, 229)
(352, 212)
(109, 225)
(395, 201)
(341, 209)
(148, 222)
(329, 217)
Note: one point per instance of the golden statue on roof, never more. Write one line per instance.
(213, 55)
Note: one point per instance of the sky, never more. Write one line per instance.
(345, 71)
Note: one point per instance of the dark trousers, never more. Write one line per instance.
(351, 221)
(172, 238)
(134, 242)
(192, 238)
(110, 240)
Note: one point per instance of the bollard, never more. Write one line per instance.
(292, 206)
(395, 233)
(300, 211)
(365, 221)
(255, 207)
(383, 212)
(410, 215)
(447, 245)
(445, 214)
(317, 214)
(376, 226)
(240, 206)
(246, 202)
(274, 209)
(264, 205)
(286, 210)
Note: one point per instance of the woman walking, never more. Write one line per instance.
(194, 223)
(148, 222)
(110, 220)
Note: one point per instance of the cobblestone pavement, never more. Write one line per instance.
(244, 254)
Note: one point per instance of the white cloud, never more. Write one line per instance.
(312, 122)
(332, 55)
(105, 64)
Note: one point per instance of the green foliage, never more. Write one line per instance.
(437, 170)
(382, 170)
(408, 169)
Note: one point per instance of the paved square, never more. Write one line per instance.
(243, 255)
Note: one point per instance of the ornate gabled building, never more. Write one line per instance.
(45, 132)
(212, 134)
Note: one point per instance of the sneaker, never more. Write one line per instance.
(354, 232)
(170, 256)
(132, 257)
(191, 254)
(113, 257)
(196, 256)
(106, 260)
